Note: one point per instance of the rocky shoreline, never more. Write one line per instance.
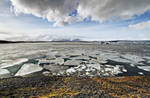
(57, 87)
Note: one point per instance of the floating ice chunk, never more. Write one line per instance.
(109, 66)
(141, 73)
(51, 55)
(96, 66)
(133, 58)
(28, 69)
(132, 65)
(114, 70)
(4, 73)
(71, 70)
(87, 73)
(74, 54)
(13, 62)
(114, 57)
(146, 68)
(83, 58)
(80, 67)
(55, 68)
(101, 60)
(124, 70)
(146, 57)
(72, 62)
(58, 61)
(117, 69)
(60, 54)
(43, 61)
(108, 69)
(46, 73)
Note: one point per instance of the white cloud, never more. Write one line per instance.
(58, 11)
(103, 10)
(142, 25)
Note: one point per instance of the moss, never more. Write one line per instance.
(124, 87)
(59, 93)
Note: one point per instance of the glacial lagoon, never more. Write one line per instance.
(75, 59)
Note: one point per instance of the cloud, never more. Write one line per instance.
(58, 11)
(142, 25)
(103, 10)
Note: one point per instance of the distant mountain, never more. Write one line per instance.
(4, 41)
(58, 40)
(67, 40)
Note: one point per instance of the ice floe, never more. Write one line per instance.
(133, 58)
(28, 69)
(95, 70)
(72, 62)
(146, 68)
(4, 73)
(13, 62)
(141, 73)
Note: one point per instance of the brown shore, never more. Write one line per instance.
(75, 87)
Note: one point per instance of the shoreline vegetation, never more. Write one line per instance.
(40, 86)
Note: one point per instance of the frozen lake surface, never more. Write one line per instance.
(75, 59)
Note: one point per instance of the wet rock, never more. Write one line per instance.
(28, 69)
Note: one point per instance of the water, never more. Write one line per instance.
(75, 58)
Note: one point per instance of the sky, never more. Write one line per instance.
(87, 20)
